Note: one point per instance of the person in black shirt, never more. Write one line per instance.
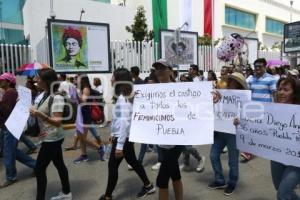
(135, 72)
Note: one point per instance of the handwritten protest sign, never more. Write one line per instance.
(228, 108)
(273, 133)
(16, 122)
(173, 114)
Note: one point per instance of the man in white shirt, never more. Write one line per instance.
(65, 86)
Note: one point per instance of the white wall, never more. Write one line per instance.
(36, 12)
(261, 9)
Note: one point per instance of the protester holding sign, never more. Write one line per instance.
(10, 151)
(49, 117)
(121, 147)
(235, 81)
(169, 167)
(286, 178)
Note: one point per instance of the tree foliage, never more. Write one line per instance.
(139, 28)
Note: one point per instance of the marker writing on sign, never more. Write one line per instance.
(161, 129)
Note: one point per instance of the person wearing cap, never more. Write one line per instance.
(235, 81)
(263, 87)
(169, 168)
(10, 151)
(294, 73)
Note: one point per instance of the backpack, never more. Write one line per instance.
(70, 109)
(97, 108)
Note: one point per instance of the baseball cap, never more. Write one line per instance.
(161, 63)
(8, 77)
(294, 72)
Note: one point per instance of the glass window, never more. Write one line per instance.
(11, 11)
(274, 26)
(11, 36)
(239, 18)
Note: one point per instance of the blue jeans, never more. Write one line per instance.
(94, 131)
(190, 150)
(28, 142)
(11, 153)
(220, 141)
(142, 153)
(285, 179)
(143, 150)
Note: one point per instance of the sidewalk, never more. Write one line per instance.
(88, 180)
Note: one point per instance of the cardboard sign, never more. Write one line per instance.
(173, 114)
(228, 108)
(272, 133)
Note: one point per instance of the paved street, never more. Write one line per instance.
(88, 180)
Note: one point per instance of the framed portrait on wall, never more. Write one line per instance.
(292, 37)
(181, 54)
(79, 47)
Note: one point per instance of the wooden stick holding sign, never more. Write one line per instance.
(173, 114)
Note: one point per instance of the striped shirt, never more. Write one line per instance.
(262, 88)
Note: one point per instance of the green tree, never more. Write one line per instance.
(206, 40)
(139, 28)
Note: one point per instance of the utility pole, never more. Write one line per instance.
(81, 13)
(291, 11)
(52, 13)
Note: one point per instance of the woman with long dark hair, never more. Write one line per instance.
(49, 117)
(121, 147)
(286, 178)
(84, 119)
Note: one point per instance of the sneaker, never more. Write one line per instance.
(105, 198)
(145, 191)
(62, 196)
(156, 166)
(201, 163)
(129, 167)
(229, 190)
(82, 158)
(184, 167)
(101, 153)
(214, 186)
(225, 150)
(8, 183)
